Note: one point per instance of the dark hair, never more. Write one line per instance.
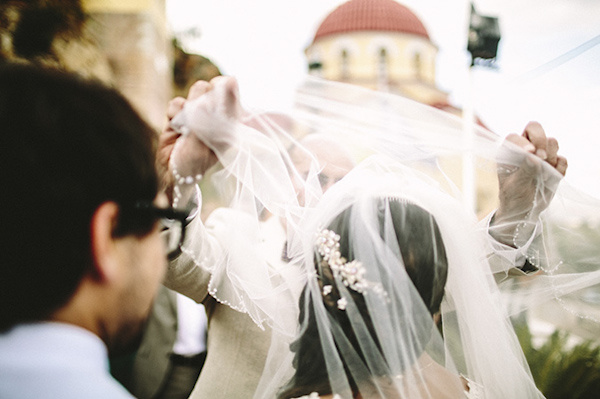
(425, 261)
(67, 146)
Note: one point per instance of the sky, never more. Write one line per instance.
(547, 67)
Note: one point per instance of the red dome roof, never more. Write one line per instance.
(371, 15)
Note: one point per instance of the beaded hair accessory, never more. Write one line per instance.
(351, 273)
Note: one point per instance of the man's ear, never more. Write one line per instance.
(104, 252)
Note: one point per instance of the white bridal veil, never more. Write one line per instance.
(387, 285)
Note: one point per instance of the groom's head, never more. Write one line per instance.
(332, 160)
(75, 159)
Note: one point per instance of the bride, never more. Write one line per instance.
(408, 305)
(391, 255)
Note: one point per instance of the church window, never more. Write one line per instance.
(382, 65)
(345, 65)
(315, 68)
(417, 65)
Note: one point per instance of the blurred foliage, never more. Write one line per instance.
(578, 246)
(188, 68)
(52, 33)
(30, 28)
(562, 370)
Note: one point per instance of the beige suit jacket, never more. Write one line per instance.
(236, 347)
(151, 363)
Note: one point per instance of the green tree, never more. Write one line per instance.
(561, 370)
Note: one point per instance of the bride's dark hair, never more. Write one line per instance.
(425, 261)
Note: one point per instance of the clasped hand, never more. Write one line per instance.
(527, 181)
(202, 125)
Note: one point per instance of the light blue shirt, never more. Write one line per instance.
(55, 360)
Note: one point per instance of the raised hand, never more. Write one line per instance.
(212, 116)
(527, 182)
(194, 158)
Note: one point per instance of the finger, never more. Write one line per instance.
(175, 106)
(168, 137)
(530, 162)
(552, 151)
(521, 142)
(233, 98)
(198, 89)
(226, 88)
(561, 165)
(534, 132)
(166, 141)
(220, 80)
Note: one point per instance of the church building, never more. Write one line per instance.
(382, 45)
(378, 44)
